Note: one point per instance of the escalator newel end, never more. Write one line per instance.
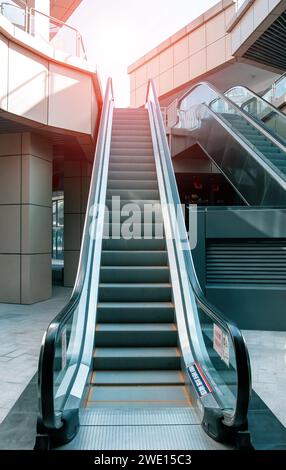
(50, 438)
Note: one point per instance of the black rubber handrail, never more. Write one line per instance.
(50, 418)
(255, 96)
(239, 417)
(272, 170)
(272, 111)
(240, 111)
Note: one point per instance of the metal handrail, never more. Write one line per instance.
(239, 111)
(29, 12)
(268, 166)
(275, 172)
(50, 418)
(275, 84)
(239, 417)
(259, 98)
(273, 87)
(280, 79)
(61, 24)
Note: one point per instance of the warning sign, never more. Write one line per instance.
(199, 380)
(221, 343)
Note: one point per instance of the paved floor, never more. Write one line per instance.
(267, 350)
(22, 328)
(21, 331)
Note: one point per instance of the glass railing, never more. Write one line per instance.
(239, 3)
(251, 158)
(57, 33)
(16, 12)
(192, 113)
(66, 352)
(277, 90)
(51, 30)
(212, 347)
(259, 109)
(220, 361)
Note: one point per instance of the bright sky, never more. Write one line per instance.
(118, 32)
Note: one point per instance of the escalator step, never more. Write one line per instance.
(131, 175)
(151, 204)
(125, 126)
(127, 159)
(135, 230)
(139, 139)
(135, 335)
(129, 151)
(149, 216)
(135, 312)
(133, 274)
(174, 395)
(135, 193)
(134, 258)
(134, 244)
(136, 358)
(132, 184)
(144, 377)
(132, 166)
(135, 143)
(137, 292)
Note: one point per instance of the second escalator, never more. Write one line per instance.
(252, 159)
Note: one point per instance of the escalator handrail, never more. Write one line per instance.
(238, 110)
(50, 418)
(241, 353)
(275, 172)
(259, 98)
(274, 85)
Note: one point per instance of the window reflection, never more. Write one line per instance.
(58, 227)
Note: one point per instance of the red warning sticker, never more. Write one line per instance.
(199, 380)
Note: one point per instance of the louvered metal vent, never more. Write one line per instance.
(269, 48)
(259, 262)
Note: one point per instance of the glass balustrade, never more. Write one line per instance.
(51, 30)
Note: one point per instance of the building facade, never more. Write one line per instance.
(218, 46)
(50, 101)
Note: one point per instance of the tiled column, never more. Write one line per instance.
(76, 187)
(25, 218)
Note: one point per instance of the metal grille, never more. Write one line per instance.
(248, 262)
(146, 429)
(269, 48)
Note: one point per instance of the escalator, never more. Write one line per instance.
(244, 136)
(138, 358)
(245, 143)
(264, 113)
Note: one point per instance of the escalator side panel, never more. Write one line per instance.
(247, 174)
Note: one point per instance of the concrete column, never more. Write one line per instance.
(25, 218)
(77, 174)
